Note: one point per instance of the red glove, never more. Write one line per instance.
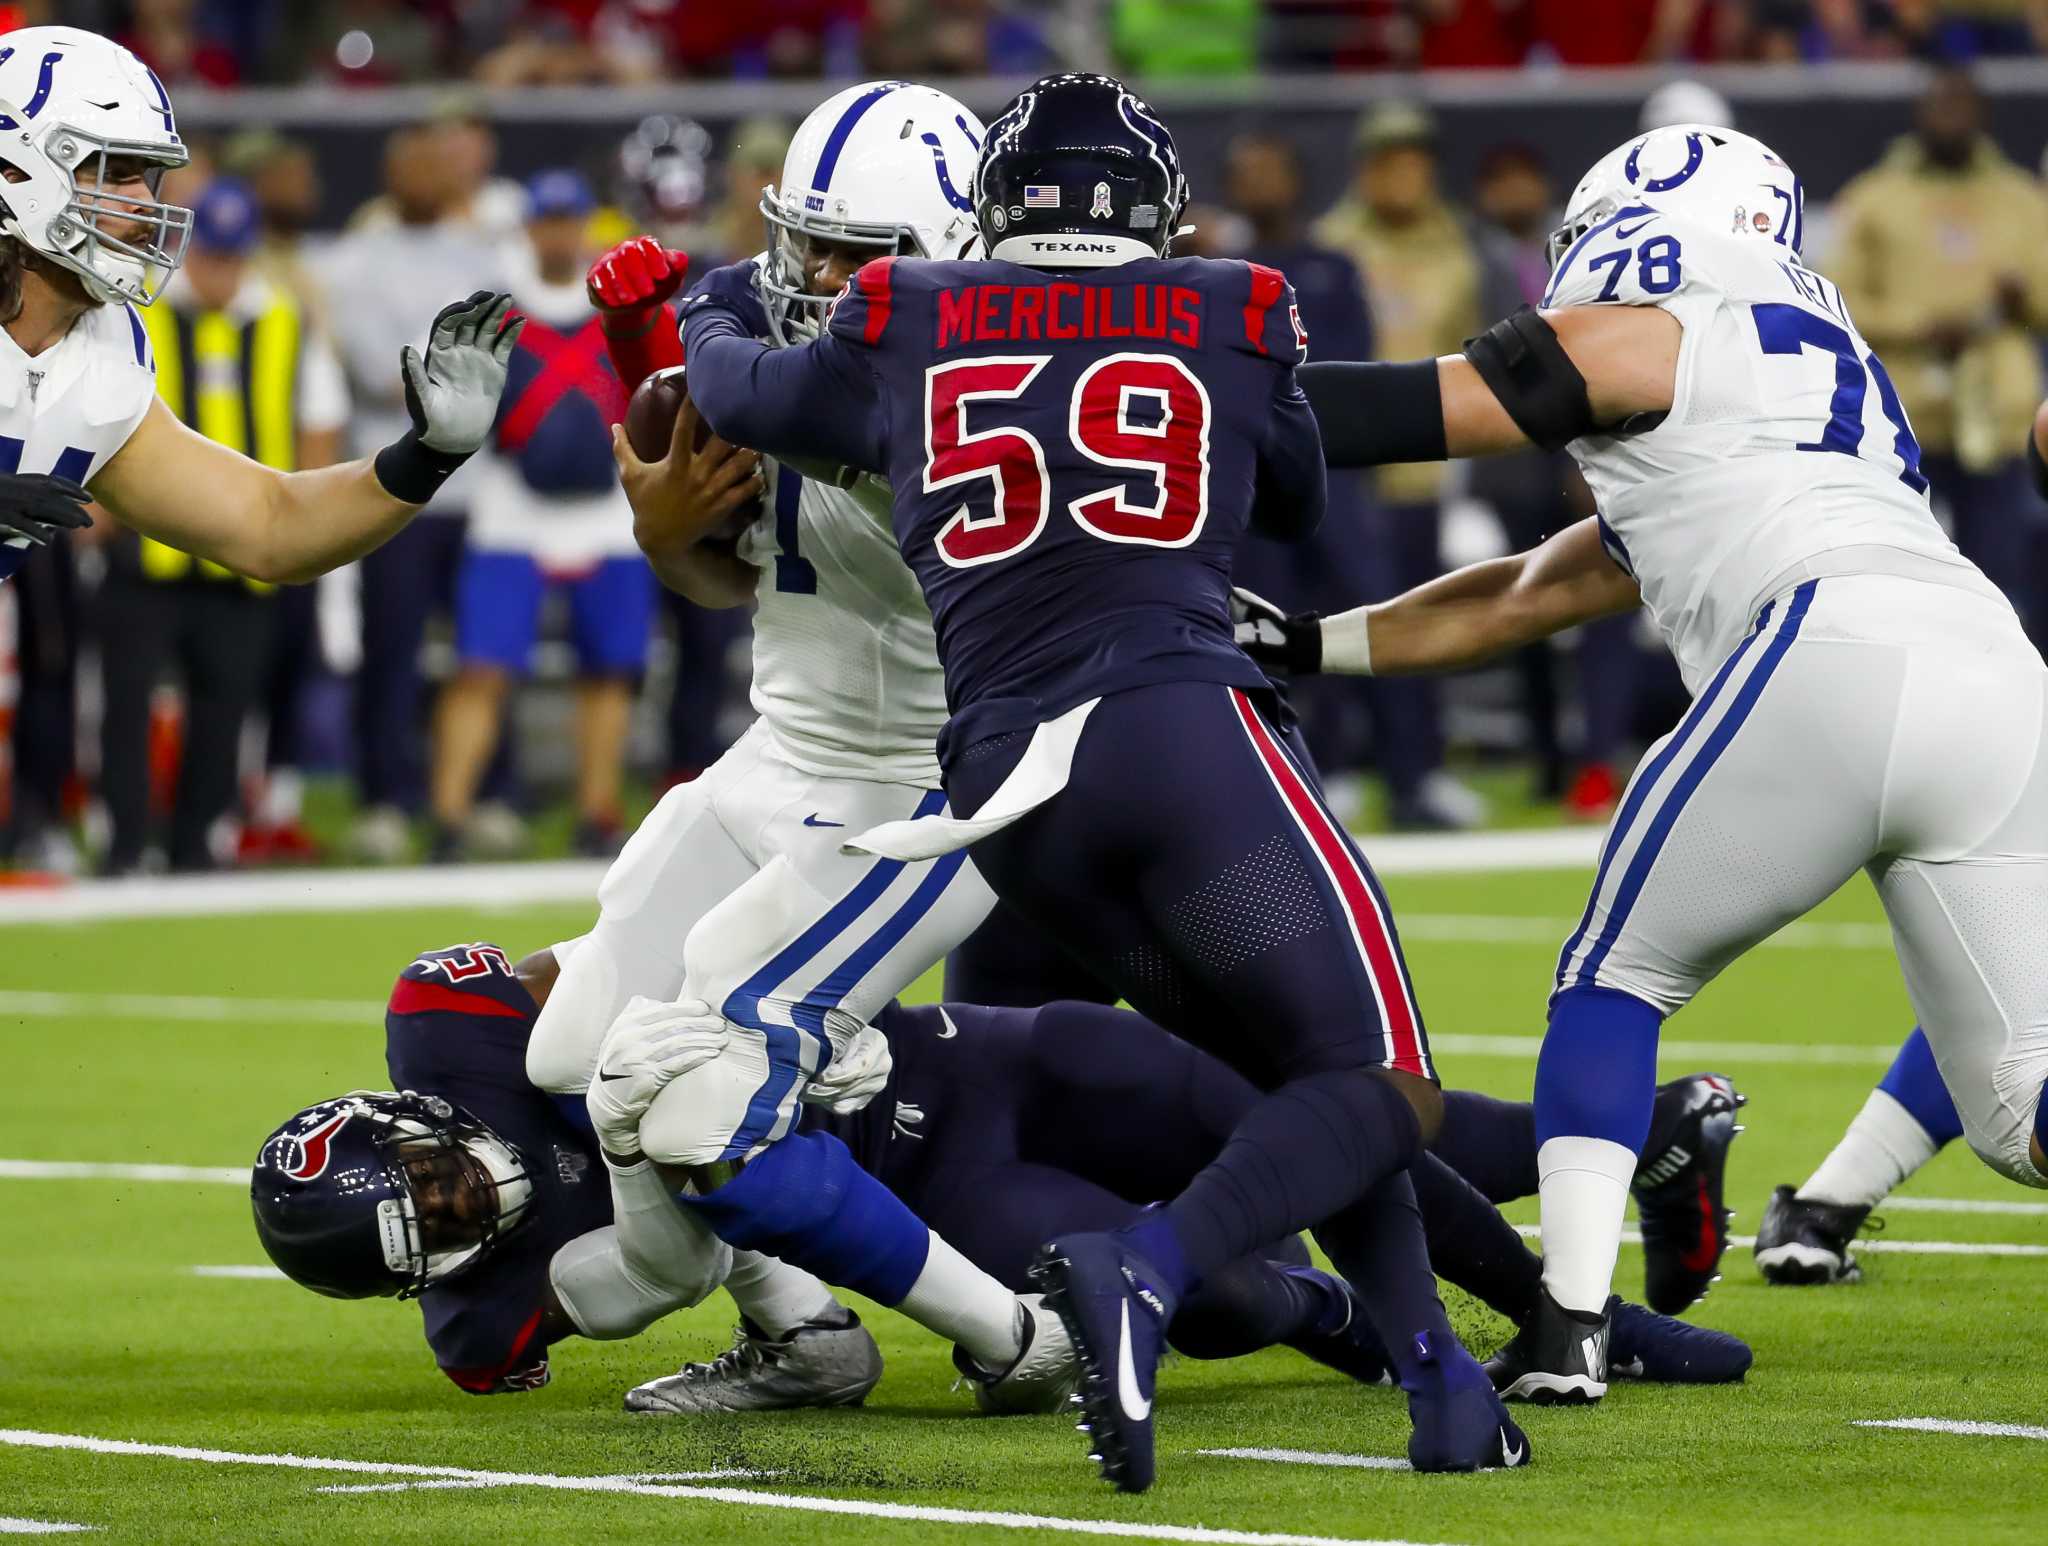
(630, 287)
(632, 282)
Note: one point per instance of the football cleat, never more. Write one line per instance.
(1041, 1378)
(1647, 1346)
(817, 1364)
(1559, 1357)
(1352, 1346)
(1459, 1422)
(1678, 1188)
(1802, 1241)
(1116, 1313)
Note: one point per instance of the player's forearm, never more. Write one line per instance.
(317, 521)
(708, 575)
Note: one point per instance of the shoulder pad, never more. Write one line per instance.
(462, 979)
(1635, 257)
(1272, 316)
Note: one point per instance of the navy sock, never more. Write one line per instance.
(1252, 1303)
(1915, 1083)
(1379, 1246)
(1491, 1143)
(1304, 1152)
(1471, 1245)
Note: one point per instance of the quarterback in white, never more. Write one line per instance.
(86, 135)
(1863, 697)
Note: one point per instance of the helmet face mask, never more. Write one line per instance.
(385, 1193)
(81, 120)
(872, 169)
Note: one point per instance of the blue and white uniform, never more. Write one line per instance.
(1864, 697)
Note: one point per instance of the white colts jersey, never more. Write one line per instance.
(68, 409)
(1785, 456)
(846, 672)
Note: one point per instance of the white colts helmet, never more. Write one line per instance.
(887, 165)
(1712, 177)
(71, 102)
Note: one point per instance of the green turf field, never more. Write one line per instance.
(109, 1334)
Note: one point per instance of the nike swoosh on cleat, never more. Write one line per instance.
(812, 821)
(1135, 1406)
(951, 1029)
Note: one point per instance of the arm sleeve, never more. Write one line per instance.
(636, 356)
(817, 401)
(1292, 490)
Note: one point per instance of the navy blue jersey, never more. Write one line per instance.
(1074, 457)
(457, 1027)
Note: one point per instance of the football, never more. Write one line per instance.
(651, 425)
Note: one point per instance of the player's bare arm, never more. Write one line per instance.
(683, 499)
(170, 483)
(1462, 619)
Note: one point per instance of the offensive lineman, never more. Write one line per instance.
(742, 866)
(86, 134)
(1760, 492)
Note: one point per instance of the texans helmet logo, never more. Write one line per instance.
(313, 1148)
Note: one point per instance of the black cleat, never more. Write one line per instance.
(1558, 1358)
(1458, 1422)
(1678, 1188)
(1801, 1241)
(1351, 1346)
(1116, 1313)
(1649, 1346)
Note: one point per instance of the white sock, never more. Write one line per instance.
(963, 1304)
(1583, 1183)
(1882, 1147)
(774, 1295)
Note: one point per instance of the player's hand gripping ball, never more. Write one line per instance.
(682, 479)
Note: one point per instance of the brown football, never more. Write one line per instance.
(651, 426)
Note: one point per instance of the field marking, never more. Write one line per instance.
(1895, 1247)
(498, 886)
(1313, 1457)
(68, 1170)
(1518, 929)
(264, 1274)
(1818, 1053)
(478, 1484)
(740, 1496)
(1950, 1425)
(41, 1527)
(2030, 1210)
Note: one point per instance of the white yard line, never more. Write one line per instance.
(2032, 1210)
(1949, 1425)
(207, 1008)
(1700, 1052)
(41, 1527)
(1896, 1247)
(737, 1496)
(67, 1170)
(251, 1272)
(574, 881)
(1551, 933)
(1312, 1457)
(459, 1483)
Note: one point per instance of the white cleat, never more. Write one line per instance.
(1043, 1377)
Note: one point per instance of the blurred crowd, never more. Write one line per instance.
(596, 42)
(510, 653)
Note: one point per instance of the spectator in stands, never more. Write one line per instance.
(1618, 32)
(1941, 251)
(168, 36)
(235, 360)
(386, 280)
(358, 42)
(1422, 278)
(549, 516)
(1264, 183)
(919, 39)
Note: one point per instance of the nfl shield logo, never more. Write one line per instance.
(1101, 209)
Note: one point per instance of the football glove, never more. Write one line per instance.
(1277, 640)
(631, 283)
(35, 506)
(858, 1072)
(451, 394)
(648, 1048)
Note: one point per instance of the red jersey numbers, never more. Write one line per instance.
(464, 962)
(1012, 458)
(1146, 413)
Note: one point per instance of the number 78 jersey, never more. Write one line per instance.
(1785, 455)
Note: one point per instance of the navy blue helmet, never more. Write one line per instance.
(384, 1193)
(1078, 173)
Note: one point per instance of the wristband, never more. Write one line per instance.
(412, 471)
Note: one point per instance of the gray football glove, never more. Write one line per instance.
(453, 393)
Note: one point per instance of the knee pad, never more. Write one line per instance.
(608, 1298)
(805, 1201)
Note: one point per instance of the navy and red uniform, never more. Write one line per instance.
(1075, 456)
(457, 1027)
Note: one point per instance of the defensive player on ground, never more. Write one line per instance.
(86, 134)
(1077, 434)
(1000, 1126)
(734, 891)
(1760, 492)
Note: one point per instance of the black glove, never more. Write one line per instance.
(1277, 641)
(35, 506)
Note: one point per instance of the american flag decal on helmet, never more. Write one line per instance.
(1041, 195)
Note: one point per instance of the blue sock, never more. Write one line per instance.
(1597, 1074)
(1915, 1083)
(803, 1200)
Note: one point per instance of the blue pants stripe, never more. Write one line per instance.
(1645, 859)
(1640, 786)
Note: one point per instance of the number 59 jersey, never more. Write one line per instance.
(846, 674)
(1785, 455)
